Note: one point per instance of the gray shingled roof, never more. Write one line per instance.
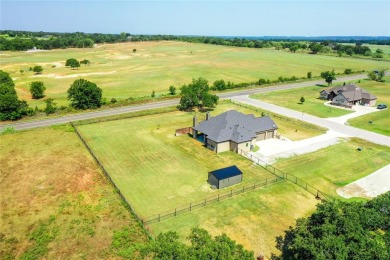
(351, 92)
(235, 126)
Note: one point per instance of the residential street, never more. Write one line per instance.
(122, 110)
(334, 126)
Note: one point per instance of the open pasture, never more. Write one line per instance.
(122, 73)
(55, 201)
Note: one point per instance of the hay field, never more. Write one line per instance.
(55, 202)
(122, 73)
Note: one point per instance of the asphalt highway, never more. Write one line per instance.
(23, 125)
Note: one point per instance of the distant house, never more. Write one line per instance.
(348, 95)
(225, 177)
(233, 130)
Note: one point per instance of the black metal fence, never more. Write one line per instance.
(284, 175)
(209, 200)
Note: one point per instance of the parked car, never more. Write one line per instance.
(381, 106)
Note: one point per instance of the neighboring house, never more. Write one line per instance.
(225, 177)
(348, 95)
(232, 130)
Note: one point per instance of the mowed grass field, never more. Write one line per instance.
(291, 99)
(253, 219)
(55, 202)
(256, 218)
(122, 73)
(381, 120)
(158, 171)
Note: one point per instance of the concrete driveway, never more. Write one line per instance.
(358, 111)
(368, 187)
(273, 149)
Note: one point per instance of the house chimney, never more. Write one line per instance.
(194, 121)
(207, 116)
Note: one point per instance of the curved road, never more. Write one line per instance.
(172, 102)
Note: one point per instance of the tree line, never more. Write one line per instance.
(22, 40)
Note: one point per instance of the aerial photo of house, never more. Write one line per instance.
(233, 130)
(348, 95)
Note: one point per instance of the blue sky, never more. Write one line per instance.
(183, 17)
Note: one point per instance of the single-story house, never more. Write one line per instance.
(233, 130)
(347, 95)
(225, 177)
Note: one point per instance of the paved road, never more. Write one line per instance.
(341, 128)
(122, 110)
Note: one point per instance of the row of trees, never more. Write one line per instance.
(167, 246)
(41, 40)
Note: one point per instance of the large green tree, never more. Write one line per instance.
(37, 89)
(202, 246)
(341, 230)
(11, 108)
(329, 76)
(196, 94)
(73, 63)
(84, 94)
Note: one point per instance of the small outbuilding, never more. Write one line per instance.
(225, 177)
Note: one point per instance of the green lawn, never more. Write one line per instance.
(337, 165)
(312, 105)
(253, 219)
(381, 120)
(157, 65)
(158, 171)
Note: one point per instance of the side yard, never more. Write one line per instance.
(337, 165)
(380, 121)
(55, 202)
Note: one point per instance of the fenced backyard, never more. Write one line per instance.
(209, 200)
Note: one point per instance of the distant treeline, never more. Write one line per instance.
(22, 40)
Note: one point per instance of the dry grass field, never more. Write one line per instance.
(122, 73)
(55, 202)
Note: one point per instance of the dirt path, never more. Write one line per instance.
(368, 187)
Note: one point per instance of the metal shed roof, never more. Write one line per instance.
(226, 173)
